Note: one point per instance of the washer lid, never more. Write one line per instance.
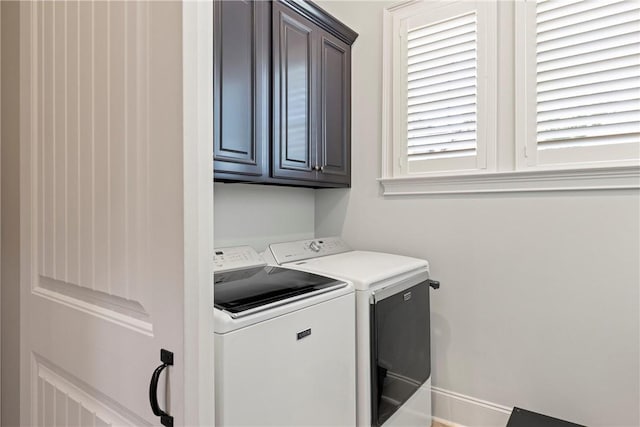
(363, 268)
(247, 291)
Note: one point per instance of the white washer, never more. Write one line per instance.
(284, 344)
(392, 324)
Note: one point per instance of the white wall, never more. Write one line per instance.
(257, 215)
(539, 304)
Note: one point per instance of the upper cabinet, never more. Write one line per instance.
(303, 137)
(334, 130)
(241, 81)
(295, 91)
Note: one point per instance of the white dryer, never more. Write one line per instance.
(392, 324)
(284, 344)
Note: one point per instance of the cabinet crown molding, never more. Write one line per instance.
(323, 19)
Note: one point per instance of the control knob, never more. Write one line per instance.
(314, 246)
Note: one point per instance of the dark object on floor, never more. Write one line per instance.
(523, 418)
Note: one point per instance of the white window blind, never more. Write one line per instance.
(442, 89)
(587, 73)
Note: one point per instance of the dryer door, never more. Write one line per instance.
(400, 348)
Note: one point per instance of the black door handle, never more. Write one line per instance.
(166, 357)
(434, 284)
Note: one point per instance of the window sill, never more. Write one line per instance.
(609, 178)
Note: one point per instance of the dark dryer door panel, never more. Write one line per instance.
(400, 349)
(334, 147)
(241, 87)
(294, 92)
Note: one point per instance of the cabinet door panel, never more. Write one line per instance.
(294, 92)
(334, 138)
(241, 85)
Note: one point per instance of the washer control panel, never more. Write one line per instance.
(306, 249)
(236, 258)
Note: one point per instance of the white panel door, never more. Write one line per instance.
(104, 213)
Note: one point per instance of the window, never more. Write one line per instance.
(444, 87)
(569, 94)
(581, 79)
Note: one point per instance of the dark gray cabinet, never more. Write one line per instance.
(334, 128)
(283, 94)
(295, 91)
(241, 83)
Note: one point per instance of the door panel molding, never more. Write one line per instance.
(93, 126)
(58, 396)
(124, 312)
(91, 182)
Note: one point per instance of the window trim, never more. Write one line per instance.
(601, 178)
(510, 175)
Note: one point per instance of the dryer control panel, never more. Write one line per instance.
(236, 258)
(306, 249)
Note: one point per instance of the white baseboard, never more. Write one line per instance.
(445, 423)
(457, 410)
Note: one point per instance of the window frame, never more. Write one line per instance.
(528, 157)
(395, 87)
(510, 171)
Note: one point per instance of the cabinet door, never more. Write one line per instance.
(294, 93)
(334, 121)
(241, 86)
